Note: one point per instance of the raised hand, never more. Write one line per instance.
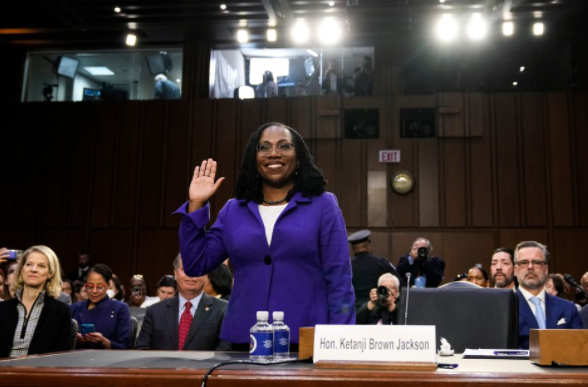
(203, 186)
(4, 253)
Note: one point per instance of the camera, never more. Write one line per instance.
(383, 293)
(422, 253)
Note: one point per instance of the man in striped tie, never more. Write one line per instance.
(537, 309)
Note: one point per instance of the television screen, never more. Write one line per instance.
(159, 63)
(67, 66)
(91, 94)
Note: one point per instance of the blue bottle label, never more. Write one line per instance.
(261, 344)
(281, 342)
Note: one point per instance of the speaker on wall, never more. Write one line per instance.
(417, 123)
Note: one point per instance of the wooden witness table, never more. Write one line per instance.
(177, 369)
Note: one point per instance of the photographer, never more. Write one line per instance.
(381, 309)
(138, 290)
(426, 270)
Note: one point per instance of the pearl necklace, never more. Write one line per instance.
(282, 200)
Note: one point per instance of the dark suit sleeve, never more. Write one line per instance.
(576, 319)
(63, 334)
(222, 345)
(403, 266)
(433, 269)
(145, 337)
(363, 315)
(123, 331)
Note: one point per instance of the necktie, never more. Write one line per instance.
(185, 322)
(539, 313)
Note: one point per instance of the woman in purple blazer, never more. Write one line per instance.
(284, 234)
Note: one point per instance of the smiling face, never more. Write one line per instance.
(278, 167)
(35, 270)
(96, 287)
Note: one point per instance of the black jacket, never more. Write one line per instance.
(53, 331)
(433, 268)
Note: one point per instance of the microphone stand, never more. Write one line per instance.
(407, 294)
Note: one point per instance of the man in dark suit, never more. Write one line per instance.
(189, 321)
(537, 309)
(367, 268)
(426, 270)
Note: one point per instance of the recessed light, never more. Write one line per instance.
(522, 69)
(131, 39)
(99, 70)
(223, 6)
(331, 3)
(117, 9)
(515, 83)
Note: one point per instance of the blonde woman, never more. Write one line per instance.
(34, 322)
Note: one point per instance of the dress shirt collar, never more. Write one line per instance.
(527, 295)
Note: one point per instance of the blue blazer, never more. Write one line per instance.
(306, 272)
(556, 309)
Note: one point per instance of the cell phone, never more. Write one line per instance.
(137, 290)
(14, 254)
(87, 328)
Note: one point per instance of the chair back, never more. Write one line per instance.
(74, 334)
(134, 331)
(466, 317)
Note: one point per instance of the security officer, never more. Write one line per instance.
(367, 268)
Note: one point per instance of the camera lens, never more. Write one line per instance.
(423, 252)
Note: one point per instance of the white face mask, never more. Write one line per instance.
(110, 293)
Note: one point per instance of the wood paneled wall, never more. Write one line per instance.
(105, 177)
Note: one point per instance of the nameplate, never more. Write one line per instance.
(374, 343)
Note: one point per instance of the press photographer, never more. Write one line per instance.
(382, 308)
(425, 269)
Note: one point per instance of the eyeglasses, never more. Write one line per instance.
(99, 287)
(536, 264)
(283, 148)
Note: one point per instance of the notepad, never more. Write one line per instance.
(517, 354)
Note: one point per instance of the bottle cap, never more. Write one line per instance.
(278, 316)
(263, 316)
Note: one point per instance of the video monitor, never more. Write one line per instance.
(67, 66)
(91, 94)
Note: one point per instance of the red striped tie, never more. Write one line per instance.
(185, 322)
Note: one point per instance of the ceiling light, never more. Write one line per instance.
(442, 1)
(272, 35)
(117, 9)
(331, 3)
(447, 28)
(300, 32)
(178, 80)
(99, 71)
(538, 29)
(330, 31)
(242, 36)
(131, 39)
(477, 27)
(312, 53)
(507, 28)
(522, 69)
(515, 83)
(223, 6)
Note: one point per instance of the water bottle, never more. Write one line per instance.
(261, 337)
(281, 336)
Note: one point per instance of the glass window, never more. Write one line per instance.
(100, 75)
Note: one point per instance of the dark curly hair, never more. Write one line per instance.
(309, 181)
(103, 270)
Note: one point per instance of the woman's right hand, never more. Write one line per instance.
(203, 187)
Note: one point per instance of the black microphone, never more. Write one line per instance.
(569, 279)
(407, 294)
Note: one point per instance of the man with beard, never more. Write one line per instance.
(502, 269)
(537, 309)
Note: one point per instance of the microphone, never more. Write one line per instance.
(407, 294)
(569, 279)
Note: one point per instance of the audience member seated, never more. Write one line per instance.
(478, 276)
(554, 285)
(580, 298)
(537, 309)
(167, 287)
(81, 272)
(115, 289)
(461, 277)
(502, 269)
(35, 322)
(426, 270)
(381, 309)
(111, 319)
(219, 283)
(138, 291)
(67, 288)
(80, 292)
(10, 270)
(189, 321)
(268, 88)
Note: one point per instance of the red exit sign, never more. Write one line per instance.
(389, 156)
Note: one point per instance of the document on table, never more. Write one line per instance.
(519, 354)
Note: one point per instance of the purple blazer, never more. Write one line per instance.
(306, 272)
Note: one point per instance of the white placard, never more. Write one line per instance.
(393, 343)
(389, 156)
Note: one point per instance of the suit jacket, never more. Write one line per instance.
(53, 331)
(161, 326)
(306, 272)
(556, 309)
(433, 268)
(584, 315)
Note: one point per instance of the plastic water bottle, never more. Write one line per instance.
(261, 338)
(281, 336)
